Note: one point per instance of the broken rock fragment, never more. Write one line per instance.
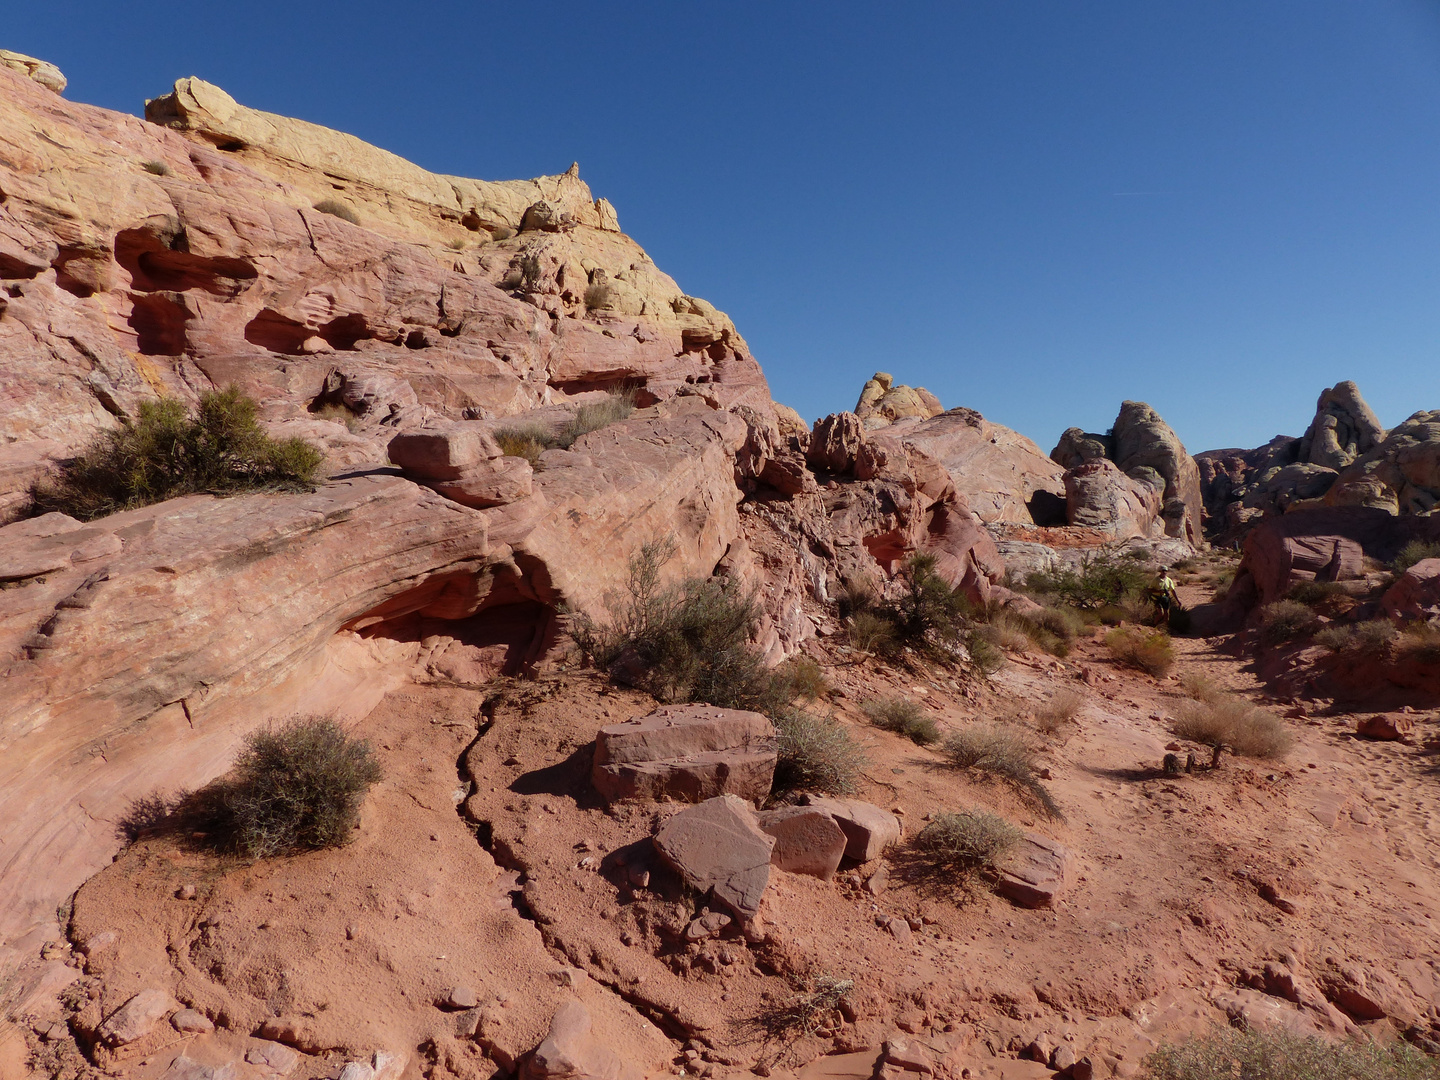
(807, 840)
(717, 847)
(1036, 872)
(868, 829)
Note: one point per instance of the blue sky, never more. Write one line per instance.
(1034, 208)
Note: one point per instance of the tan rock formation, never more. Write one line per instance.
(882, 402)
(42, 71)
(1099, 496)
(1344, 429)
(1400, 475)
(1002, 474)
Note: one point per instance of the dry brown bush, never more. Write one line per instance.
(1144, 650)
(1235, 724)
(1000, 751)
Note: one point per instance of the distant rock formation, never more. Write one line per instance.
(1345, 458)
(1146, 454)
(882, 402)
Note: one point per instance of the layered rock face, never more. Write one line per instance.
(1153, 488)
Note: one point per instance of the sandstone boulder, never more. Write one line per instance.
(835, 443)
(1099, 496)
(1079, 447)
(1002, 474)
(1036, 872)
(718, 848)
(572, 1051)
(42, 71)
(807, 840)
(882, 402)
(1401, 475)
(1388, 727)
(1344, 428)
(1142, 438)
(686, 752)
(1415, 595)
(868, 829)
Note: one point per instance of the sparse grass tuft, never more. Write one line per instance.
(814, 1000)
(1001, 752)
(1413, 552)
(815, 754)
(963, 844)
(804, 677)
(617, 406)
(156, 168)
(1058, 711)
(336, 208)
(1232, 722)
(1199, 687)
(1313, 593)
(164, 453)
(903, 717)
(1147, 651)
(1287, 620)
(527, 440)
(1260, 1054)
(1419, 643)
(297, 787)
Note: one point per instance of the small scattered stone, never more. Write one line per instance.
(191, 1022)
(273, 1056)
(186, 892)
(899, 928)
(460, 997)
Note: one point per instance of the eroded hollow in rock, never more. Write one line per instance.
(472, 625)
(280, 333)
(159, 325)
(162, 262)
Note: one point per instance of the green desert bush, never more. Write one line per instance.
(1287, 620)
(1145, 650)
(1335, 638)
(963, 844)
(929, 610)
(985, 655)
(164, 453)
(297, 787)
(904, 717)
(1313, 593)
(815, 753)
(1000, 751)
(1102, 579)
(336, 208)
(1413, 552)
(1278, 1055)
(873, 634)
(688, 641)
(1232, 722)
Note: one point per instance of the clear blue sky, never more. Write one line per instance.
(1034, 208)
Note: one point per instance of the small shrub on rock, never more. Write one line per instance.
(904, 717)
(1274, 1054)
(525, 440)
(966, 843)
(617, 406)
(803, 677)
(1313, 593)
(165, 453)
(297, 787)
(873, 634)
(999, 751)
(987, 657)
(1102, 579)
(336, 208)
(156, 168)
(1413, 552)
(1287, 620)
(1145, 650)
(815, 754)
(1419, 643)
(1234, 724)
(1199, 687)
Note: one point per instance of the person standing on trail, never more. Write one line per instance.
(1166, 589)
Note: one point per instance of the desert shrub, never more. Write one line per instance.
(164, 453)
(617, 406)
(1199, 687)
(156, 168)
(987, 657)
(1335, 638)
(904, 717)
(1419, 643)
(1179, 621)
(814, 999)
(858, 594)
(872, 633)
(1286, 620)
(525, 440)
(296, 787)
(457, 244)
(1147, 651)
(966, 843)
(1274, 1054)
(1064, 623)
(1102, 579)
(1001, 752)
(1372, 636)
(1234, 723)
(1005, 633)
(336, 208)
(803, 677)
(1058, 711)
(815, 753)
(1311, 593)
(928, 611)
(1413, 552)
(1220, 583)
(684, 642)
(1140, 610)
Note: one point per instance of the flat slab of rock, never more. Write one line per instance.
(868, 829)
(572, 1050)
(1036, 872)
(718, 847)
(807, 840)
(137, 1017)
(686, 752)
